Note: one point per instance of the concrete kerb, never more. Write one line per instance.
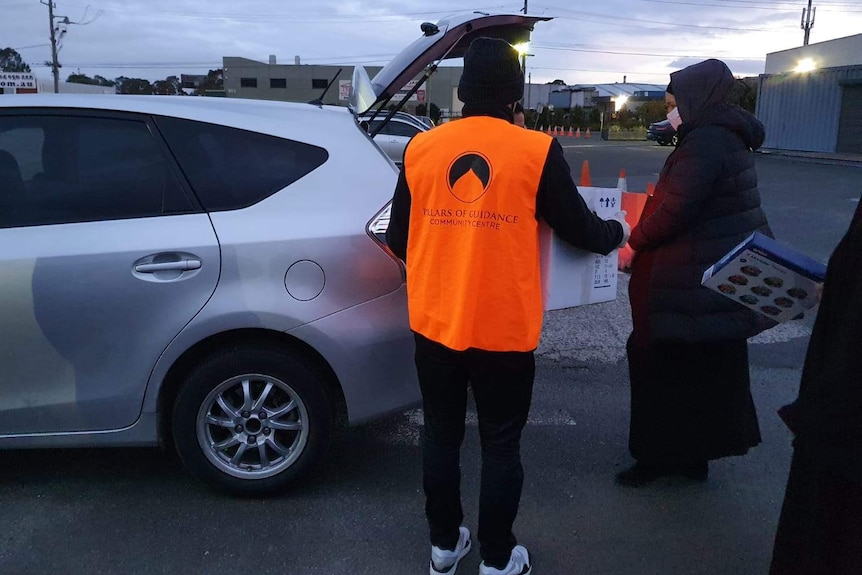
(837, 159)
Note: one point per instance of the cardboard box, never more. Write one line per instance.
(767, 277)
(573, 277)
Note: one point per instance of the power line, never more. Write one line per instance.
(784, 7)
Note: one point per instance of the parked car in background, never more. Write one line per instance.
(396, 133)
(661, 132)
(206, 273)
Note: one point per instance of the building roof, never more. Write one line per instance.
(615, 89)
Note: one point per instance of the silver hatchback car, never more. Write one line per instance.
(205, 273)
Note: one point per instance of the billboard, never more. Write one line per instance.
(18, 80)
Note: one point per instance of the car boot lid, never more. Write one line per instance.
(448, 38)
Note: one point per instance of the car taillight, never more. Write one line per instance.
(380, 223)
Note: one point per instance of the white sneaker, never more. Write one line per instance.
(444, 561)
(519, 564)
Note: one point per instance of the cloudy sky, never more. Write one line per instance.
(587, 42)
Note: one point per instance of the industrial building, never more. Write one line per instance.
(298, 82)
(810, 97)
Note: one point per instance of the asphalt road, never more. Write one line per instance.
(136, 511)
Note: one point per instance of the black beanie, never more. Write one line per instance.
(492, 73)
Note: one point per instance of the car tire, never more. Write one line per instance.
(250, 420)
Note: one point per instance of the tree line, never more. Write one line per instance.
(12, 61)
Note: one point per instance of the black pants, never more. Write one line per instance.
(502, 385)
(820, 529)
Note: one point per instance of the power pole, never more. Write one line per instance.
(808, 21)
(524, 55)
(55, 65)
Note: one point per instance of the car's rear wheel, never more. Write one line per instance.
(250, 420)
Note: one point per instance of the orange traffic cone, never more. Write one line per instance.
(621, 182)
(578, 132)
(587, 135)
(650, 188)
(585, 175)
(548, 130)
(571, 132)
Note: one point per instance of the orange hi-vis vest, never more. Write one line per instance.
(473, 278)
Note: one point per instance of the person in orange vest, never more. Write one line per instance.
(465, 219)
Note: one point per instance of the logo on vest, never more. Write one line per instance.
(469, 177)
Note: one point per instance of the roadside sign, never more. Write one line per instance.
(344, 89)
(17, 80)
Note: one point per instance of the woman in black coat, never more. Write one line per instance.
(820, 530)
(688, 356)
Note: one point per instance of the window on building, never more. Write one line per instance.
(278, 82)
(248, 82)
(319, 83)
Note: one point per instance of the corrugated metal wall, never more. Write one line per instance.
(801, 111)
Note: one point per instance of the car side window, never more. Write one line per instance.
(375, 125)
(230, 169)
(58, 169)
(403, 129)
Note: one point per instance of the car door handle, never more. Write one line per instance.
(181, 265)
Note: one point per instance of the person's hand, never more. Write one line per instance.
(627, 229)
(626, 257)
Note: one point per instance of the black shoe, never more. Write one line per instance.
(639, 474)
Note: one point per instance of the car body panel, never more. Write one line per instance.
(393, 136)
(81, 328)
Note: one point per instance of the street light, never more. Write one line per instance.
(805, 65)
(621, 101)
(523, 49)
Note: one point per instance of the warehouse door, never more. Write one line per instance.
(850, 124)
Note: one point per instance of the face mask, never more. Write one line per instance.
(674, 118)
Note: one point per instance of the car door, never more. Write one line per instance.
(383, 138)
(104, 258)
(399, 134)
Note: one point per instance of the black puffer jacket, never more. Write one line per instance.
(706, 202)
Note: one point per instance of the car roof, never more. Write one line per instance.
(260, 115)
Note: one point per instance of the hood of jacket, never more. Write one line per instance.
(700, 87)
(701, 90)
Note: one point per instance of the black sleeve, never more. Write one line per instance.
(688, 184)
(562, 207)
(399, 220)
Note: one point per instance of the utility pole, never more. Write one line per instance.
(55, 65)
(524, 55)
(807, 21)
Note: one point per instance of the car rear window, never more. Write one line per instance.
(230, 169)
